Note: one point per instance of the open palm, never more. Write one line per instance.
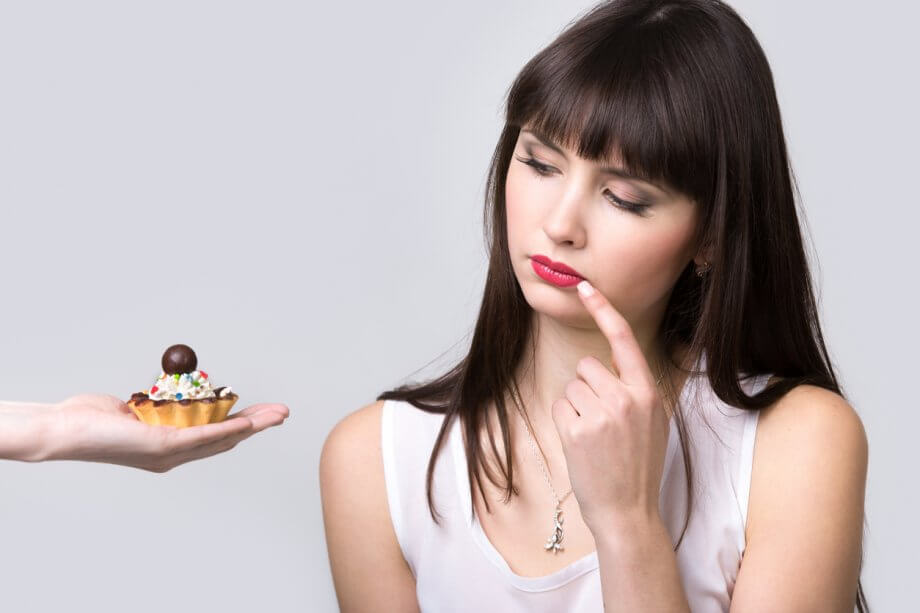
(103, 428)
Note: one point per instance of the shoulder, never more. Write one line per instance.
(351, 459)
(368, 568)
(816, 418)
(350, 462)
(806, 500)
(811, 432)
(352, 447)
(354, 433)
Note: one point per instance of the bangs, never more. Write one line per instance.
(617, 100)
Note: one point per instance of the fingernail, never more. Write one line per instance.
(585, 288)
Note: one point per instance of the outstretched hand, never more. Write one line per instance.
(103, 428)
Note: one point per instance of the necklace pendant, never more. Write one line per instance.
(554, 542)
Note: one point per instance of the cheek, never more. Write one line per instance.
(648, 263)
(522, 204)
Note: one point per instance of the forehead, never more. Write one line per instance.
(533, 133)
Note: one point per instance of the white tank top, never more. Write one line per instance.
(457, 568)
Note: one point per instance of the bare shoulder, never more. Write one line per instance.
(351, 451)
(363, 423)
(811, 432)
(806, 504)
(368, 569)
(812, 416)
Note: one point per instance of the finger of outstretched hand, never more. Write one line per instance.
(183, 439)
(281, 409)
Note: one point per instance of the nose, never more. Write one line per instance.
(564, 222)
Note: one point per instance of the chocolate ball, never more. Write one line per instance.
(179, 359)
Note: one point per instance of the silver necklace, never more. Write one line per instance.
(554, 542)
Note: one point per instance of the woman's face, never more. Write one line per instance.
(570, 215)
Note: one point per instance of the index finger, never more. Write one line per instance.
(627, 356)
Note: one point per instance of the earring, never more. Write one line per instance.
(700, 272)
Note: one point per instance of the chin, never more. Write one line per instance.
(559, 303)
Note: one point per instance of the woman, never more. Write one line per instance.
(102, 428)
(686, 399)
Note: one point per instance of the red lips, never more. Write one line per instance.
(556, 265)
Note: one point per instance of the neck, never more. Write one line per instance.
(554, 351)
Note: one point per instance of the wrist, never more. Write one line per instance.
(46, 441)
(24, 431)
(625, 528)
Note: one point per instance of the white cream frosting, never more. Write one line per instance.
(192, 386)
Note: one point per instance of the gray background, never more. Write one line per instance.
(295, 190)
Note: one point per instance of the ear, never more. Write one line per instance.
(703, 256)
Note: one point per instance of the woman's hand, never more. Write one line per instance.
(102, 428)
(613, 428)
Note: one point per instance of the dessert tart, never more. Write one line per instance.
(182, 395)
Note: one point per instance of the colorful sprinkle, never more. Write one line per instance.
(195, 383)
(204, 374)
(178, 396)
(177, 375)
(153, 390)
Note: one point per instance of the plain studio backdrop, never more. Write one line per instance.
(295, 190)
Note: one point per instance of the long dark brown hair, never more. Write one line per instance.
(683, 92)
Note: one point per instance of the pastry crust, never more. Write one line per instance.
(181, 413)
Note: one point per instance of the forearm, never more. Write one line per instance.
(638, 568)
(24, 430)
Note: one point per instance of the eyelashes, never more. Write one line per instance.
(543, 170)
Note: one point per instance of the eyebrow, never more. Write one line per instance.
(610, 170)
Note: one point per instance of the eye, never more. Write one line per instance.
(542, 170)
(633, 207)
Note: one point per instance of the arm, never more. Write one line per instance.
(23, 427)
(621, 429)
(805, 515)
(368, 568)
(804, 523)
(638, 567)
(102, 428)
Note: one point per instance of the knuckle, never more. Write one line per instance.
(604, 420)
(620, 333)
(577, 432)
